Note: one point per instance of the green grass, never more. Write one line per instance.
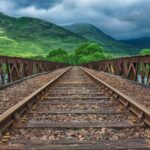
(29, 37)
(10, 47)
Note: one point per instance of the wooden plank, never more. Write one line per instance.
(78, 145)
(109, 112)
(75, 84)
(69, 94)
(76, 125)
(76, 102)
(77, 97)
(72, 88)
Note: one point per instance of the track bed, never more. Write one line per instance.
(75, 114)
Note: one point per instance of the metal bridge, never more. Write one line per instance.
(133, 68)
(74, 109)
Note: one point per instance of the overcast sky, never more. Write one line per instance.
(118, 18)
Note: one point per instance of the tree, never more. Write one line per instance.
(88, 48)
(57, 52)
(145, 52)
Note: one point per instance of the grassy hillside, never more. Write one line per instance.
(94, 34)
(30, 37)
(40, 39)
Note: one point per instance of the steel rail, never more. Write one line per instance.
(15, 112)
(139, 110)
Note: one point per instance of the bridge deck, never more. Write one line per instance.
(75, 111)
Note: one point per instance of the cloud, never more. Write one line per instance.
(118, 18)
(5, 5)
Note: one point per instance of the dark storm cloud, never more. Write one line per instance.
(45, 4)
(121, 19)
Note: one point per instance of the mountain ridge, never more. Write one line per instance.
(29, 36)
(141, 43)
(34, 34)
(94, 34)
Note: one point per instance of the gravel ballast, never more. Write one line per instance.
(137, 92)
(17, 92)
(78, 134)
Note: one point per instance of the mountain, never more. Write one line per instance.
(141, 43)
(30, 37)
(27, 36)
(94, 34)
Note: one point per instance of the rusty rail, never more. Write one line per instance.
(14, 68)
(139, 110)
(32, 121)
(135, 68)
(14, 113)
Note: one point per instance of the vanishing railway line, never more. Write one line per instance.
(76, 111)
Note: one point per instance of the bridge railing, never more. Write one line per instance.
(135, 68)
(13, 68)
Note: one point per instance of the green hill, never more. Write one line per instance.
(30, 37)
(35, 38)
(94, 34)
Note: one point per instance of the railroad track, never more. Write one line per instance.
(76, 111)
